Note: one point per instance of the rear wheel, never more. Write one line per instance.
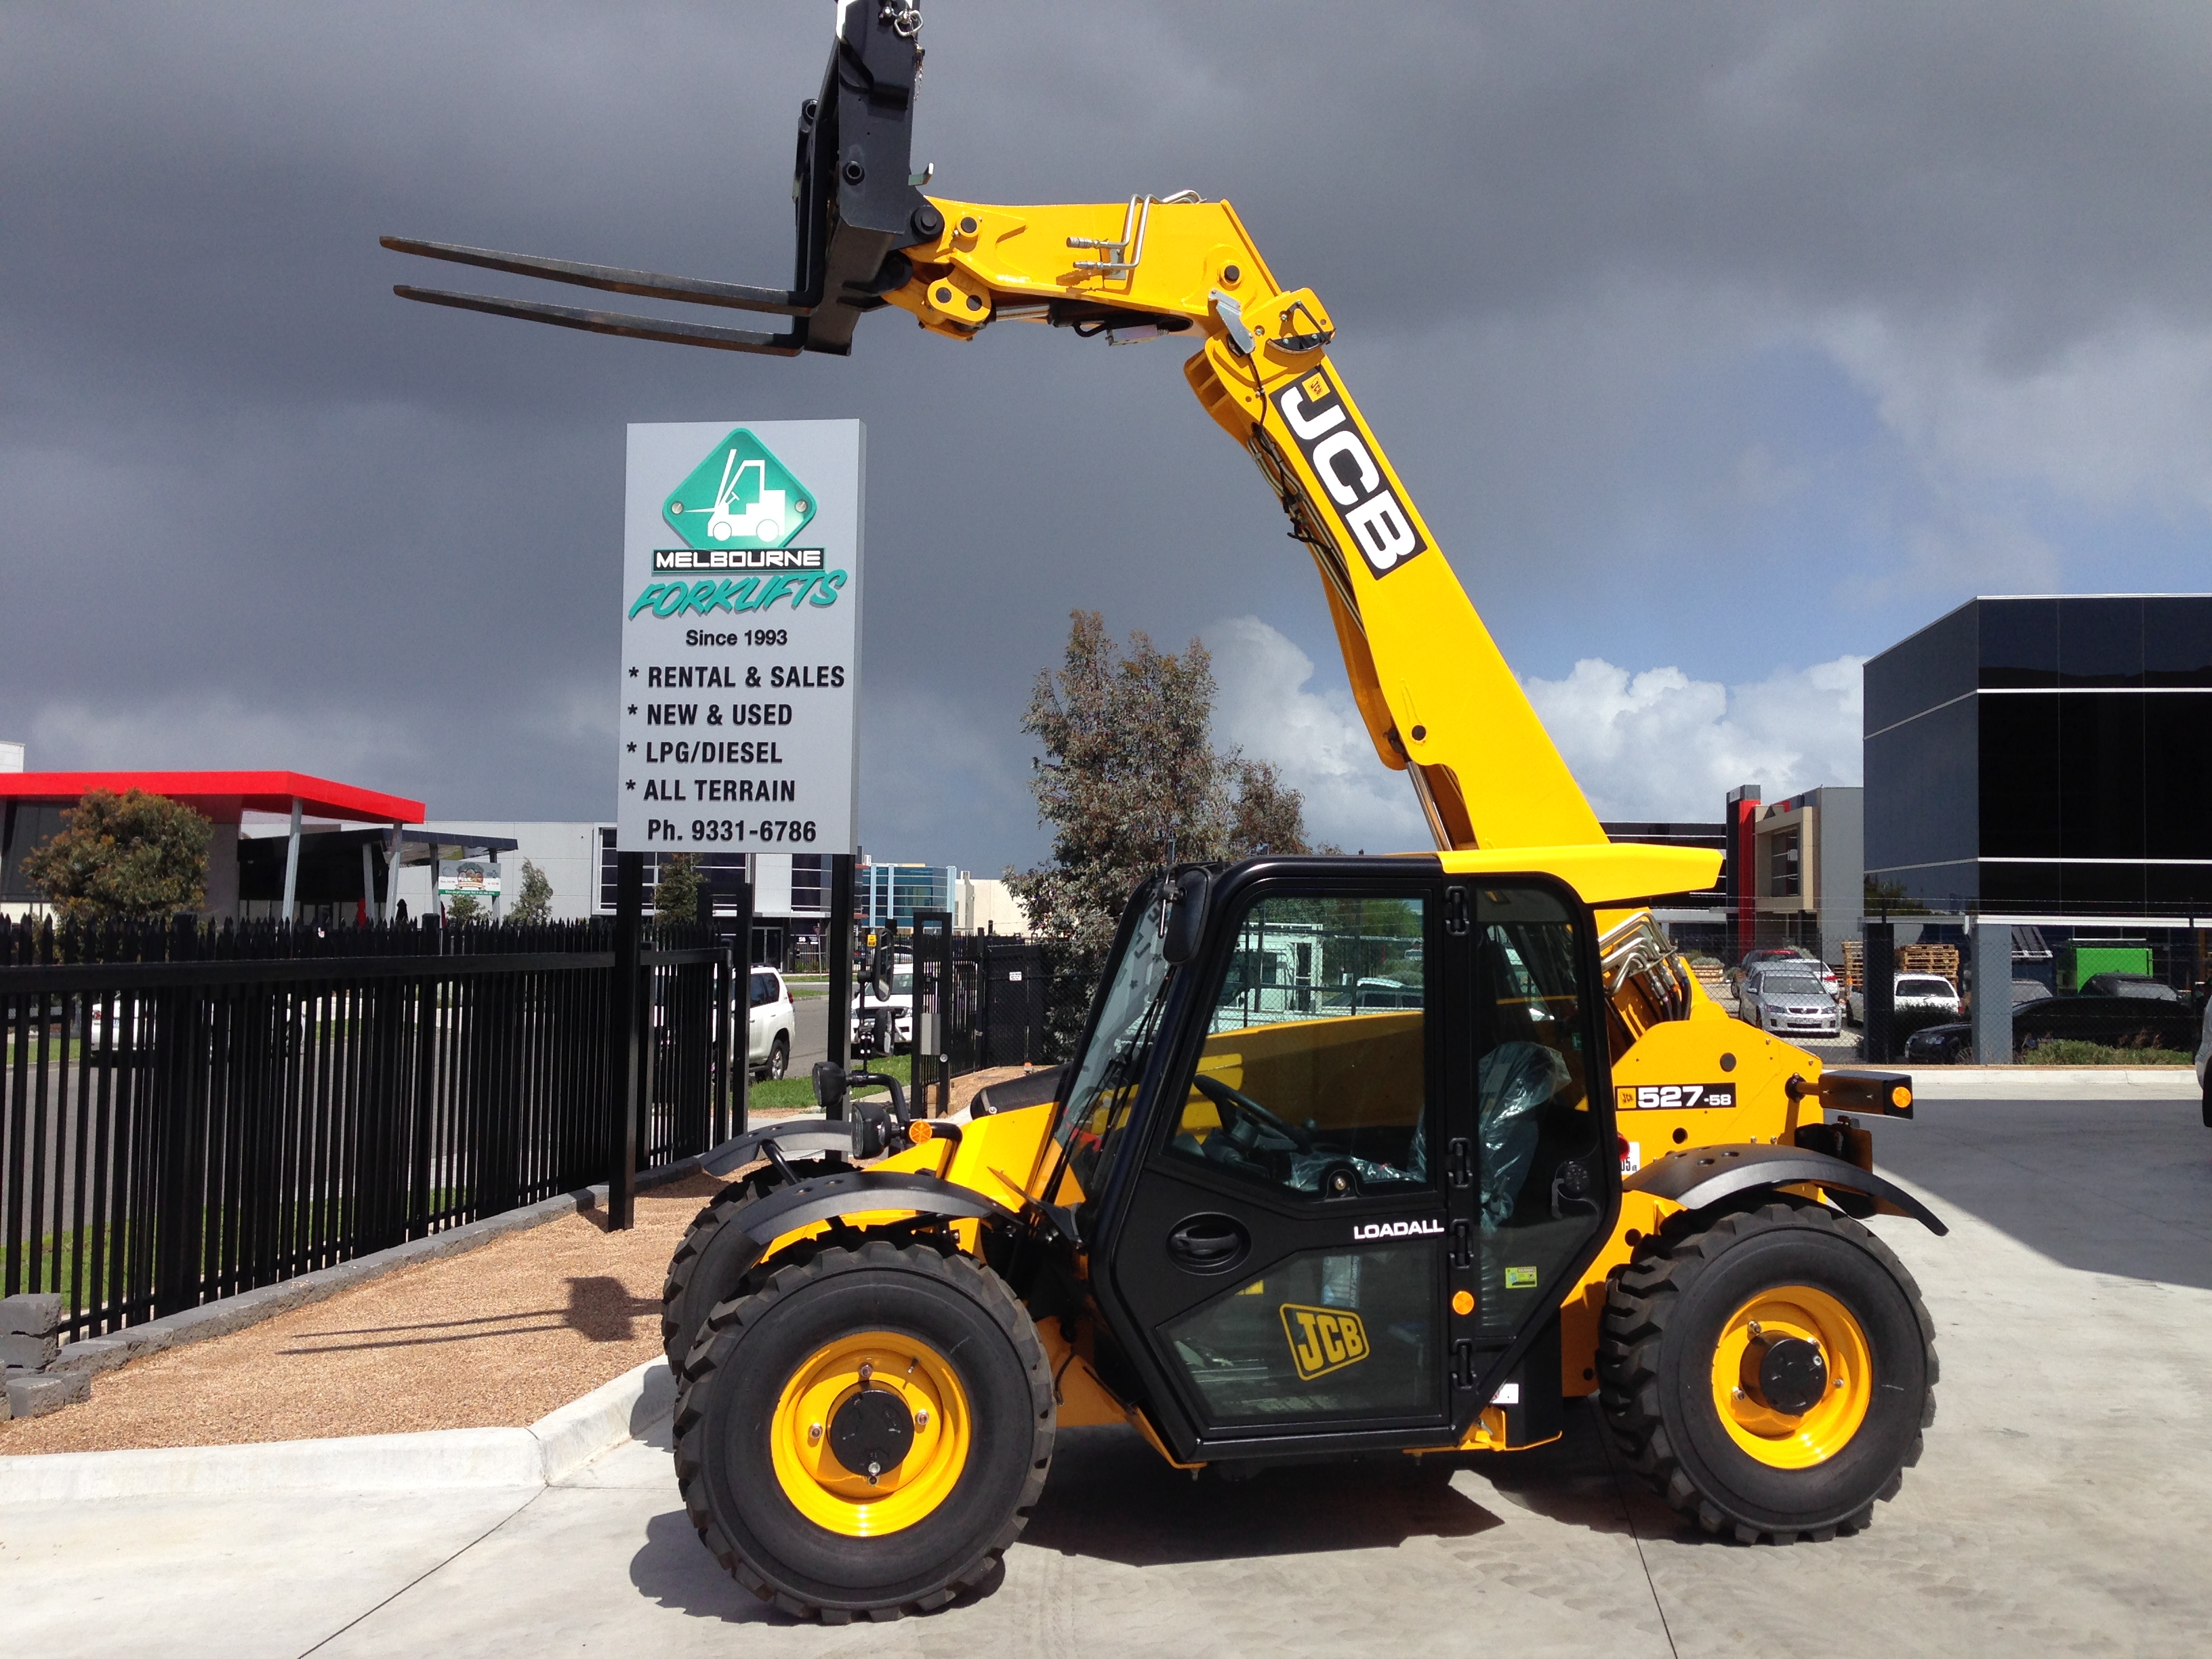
(1770, 1373)
(867, 1432)
(708, 1266)
(779, 1055)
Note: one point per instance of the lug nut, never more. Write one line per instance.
(813, 1433)
(921, 1418)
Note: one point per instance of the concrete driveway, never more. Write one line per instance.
(2065, 1505)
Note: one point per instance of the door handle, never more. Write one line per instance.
(1209, 1243)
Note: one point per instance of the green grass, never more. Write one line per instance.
(780, 1094)
(812, 986)
(2069, 1051)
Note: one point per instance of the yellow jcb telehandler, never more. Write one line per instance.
(1356, 1155)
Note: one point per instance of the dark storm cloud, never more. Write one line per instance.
(255, 510)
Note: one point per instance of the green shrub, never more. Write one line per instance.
(2070, 1051)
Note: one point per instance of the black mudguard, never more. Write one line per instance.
(850, 1192)
(1698, 1177)
(795, 1138)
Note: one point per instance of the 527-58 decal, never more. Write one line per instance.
(1672, 1096)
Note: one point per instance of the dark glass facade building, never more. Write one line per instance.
(2046, 754)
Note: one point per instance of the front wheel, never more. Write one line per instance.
(1770, 1373)
(867, 1432)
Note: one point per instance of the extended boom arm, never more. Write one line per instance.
(1440, 703)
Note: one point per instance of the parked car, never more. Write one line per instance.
(1787, 998)
(773, 1021)
(2115, 1021)
(2130, 985)
(2204, 1064)
(1918, 995)
(1739, 975)
(1949, 1044)
(900, 1002)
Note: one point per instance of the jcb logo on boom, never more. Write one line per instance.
(1330, 441)
(1323, 1339)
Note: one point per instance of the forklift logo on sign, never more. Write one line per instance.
(1323, 1339)
(739, 496)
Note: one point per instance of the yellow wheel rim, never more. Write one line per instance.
(802, 1434)
(1783, 1439)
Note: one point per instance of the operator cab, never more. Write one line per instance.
(1339, 1137)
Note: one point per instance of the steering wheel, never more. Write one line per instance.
(1232, 1101)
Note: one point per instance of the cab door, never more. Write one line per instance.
(1281, 1266)
(1546, 1161)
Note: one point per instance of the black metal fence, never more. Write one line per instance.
(1000, 1003)
(187, 1113)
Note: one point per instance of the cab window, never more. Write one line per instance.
(1313, 1075)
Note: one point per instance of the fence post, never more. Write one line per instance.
(180, 1217)
(736, 1052)
(837, 945)
(1991, 989)
(932, 1010)
(624, 1048)
(1881, 997)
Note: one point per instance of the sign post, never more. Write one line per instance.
(740, 658)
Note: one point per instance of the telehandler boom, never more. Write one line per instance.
(1268, 1214)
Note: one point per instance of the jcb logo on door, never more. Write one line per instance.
(1672, 1097)
(1330, 441)
(1323, 1339)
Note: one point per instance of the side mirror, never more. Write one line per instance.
(1182, 925)
(880, 969)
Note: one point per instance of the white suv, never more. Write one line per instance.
(769, 1050)
(1915, 992)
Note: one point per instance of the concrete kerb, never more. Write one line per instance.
(94, 1354)
(549, 1450)
(2084, 1083)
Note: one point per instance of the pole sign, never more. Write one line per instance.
(741, 637)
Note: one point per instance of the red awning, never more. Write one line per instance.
(223, 796)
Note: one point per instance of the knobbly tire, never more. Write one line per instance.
(1662, 1367)
(708, 1268)
(753, 1358)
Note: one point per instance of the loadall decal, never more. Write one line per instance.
(1330, 441)
(1323, 1339)
(1672, 1097)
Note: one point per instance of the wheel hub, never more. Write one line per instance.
(1787, 1372)
(871, 1433)
(1792, 1377)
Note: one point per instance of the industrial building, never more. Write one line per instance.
(2045, 755)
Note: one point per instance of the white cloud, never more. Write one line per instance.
(1265, 706)
(2112, 418)
(1661, 745)
(1655, 745)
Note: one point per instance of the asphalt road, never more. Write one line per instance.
(2063, 1505)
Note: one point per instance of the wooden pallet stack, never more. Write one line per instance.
(1910, 959)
